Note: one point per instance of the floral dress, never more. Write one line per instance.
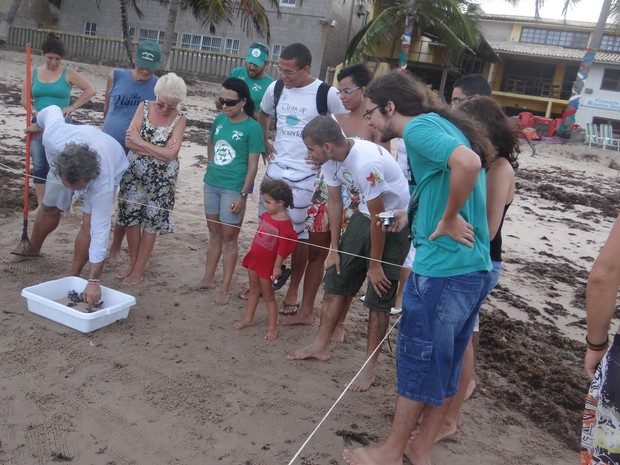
(147, 189)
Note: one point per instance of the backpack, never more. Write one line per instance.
(321, 96)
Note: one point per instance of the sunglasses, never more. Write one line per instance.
(229, 102)
(348, 91)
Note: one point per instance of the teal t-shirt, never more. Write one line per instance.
(430, 140)
(257, 86)
(232, 144)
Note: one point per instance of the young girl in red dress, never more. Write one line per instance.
(274, 240)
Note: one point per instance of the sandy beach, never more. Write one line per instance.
(174, 383)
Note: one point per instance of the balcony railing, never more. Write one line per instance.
(535, 86)
(111, 51)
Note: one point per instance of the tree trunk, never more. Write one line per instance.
(584, 70)
(6, 23)
(125, 27)
(172, 20)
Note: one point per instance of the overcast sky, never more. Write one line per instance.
(587, 10)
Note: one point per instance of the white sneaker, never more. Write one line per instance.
(395, 311)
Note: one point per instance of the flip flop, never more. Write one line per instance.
(281, 281)
(284, 305)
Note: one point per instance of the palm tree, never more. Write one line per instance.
(452, 22)
(209, 13)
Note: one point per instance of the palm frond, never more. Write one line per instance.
(380, 29)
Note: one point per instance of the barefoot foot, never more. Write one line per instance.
(271, 334)
(310, 351)
(221, 298)
(338, 336)
(240, 324)
(369, 456)
(124, 273)
(133, 279)
(114, 259)
(299, 319)
(202, 285)
(364, 379)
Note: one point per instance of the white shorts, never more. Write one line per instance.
(302, 185)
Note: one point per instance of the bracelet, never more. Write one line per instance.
(94, 280)
(598, 347)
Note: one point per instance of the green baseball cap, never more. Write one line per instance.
(258, 54)
(148, 55)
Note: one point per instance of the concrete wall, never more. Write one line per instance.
(296, 24)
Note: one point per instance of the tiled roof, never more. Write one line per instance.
(545, 22)
(550, 51)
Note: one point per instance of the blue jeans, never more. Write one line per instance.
(39, 165)
(436, 325)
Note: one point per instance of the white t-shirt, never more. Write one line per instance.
(296, 108)
(371, 170)
(101, 190)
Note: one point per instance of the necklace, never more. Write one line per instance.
(350, 144)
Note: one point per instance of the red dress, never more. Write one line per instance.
(272, 238)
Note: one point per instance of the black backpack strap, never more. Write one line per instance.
(321, 98)
(277, 92)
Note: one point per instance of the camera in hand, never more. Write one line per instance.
(386, 218)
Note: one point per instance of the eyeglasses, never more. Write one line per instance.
(459, 100)
(163, 106)
(348, 91)
(368, 114)
(287, 73)
(229, 102)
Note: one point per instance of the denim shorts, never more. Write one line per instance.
(436, 325)
(218, 201)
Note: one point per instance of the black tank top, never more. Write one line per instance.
(496, 242)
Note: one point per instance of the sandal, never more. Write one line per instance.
(281, 281)
(284, 305)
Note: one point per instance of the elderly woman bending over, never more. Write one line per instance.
(146, 196)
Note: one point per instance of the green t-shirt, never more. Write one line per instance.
(257, 86)
(430, 140)
(232, 144)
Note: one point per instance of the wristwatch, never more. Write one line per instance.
(244, 195)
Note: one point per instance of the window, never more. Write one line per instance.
(198, 42)
(211, 44)
(570, 39)
(90, 29)
(151, 34)
(132, 33)
(232, 46)
(610, 43)
(288, 3)
(611, 80)
(276, 50)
